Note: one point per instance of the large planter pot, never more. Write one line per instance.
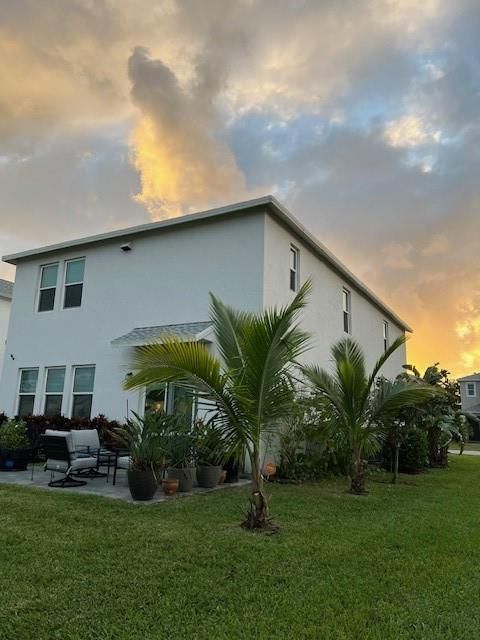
(142, 484)
(185, 476)
(208, 477)
(14, 460)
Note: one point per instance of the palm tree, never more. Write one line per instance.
(250, 386)
(357, 408)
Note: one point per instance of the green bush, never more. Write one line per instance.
(13, 436)
(414, 452)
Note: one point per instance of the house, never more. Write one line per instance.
(470, 393)
(6, 289)
(79, 307)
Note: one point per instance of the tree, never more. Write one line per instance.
(250, 386)
(357, 407)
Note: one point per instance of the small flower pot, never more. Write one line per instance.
(142, 484)
(208, 476)
(185, 476)
(223, 475)
(170, 486)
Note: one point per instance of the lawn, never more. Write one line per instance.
(401, 563)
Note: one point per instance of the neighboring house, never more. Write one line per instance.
(80, 306)
(470, 393)
(6, 291)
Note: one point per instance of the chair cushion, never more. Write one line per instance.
(83, 438)
(84, 463)
(77, 463)
(66, 434)
(56, 465)
(123, 462)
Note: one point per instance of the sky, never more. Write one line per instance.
(361, 116)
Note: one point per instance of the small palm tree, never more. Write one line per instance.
(249, 386)
(356, 408)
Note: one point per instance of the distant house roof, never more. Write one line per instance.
(265, 203)
(186, 332)
(471, 378)
(6, 289)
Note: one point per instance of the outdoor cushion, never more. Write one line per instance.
(83, 438)
(78, 463)
(67, 435)
(123, 462)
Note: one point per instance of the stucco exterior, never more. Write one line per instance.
(468, 385)
(6, 289)
(165, 278)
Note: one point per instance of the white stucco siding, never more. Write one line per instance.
(164, 279)
(4, 317)
(323, 317)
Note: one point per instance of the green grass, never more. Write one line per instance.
(401, 563)
(470, 446)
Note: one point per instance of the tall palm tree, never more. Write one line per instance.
(249, 386)
(356, 407)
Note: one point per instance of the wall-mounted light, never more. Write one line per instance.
(126, 247)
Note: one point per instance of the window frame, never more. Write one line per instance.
(46, 393)
(21, 394)
(40, 288)
(347, 296)
(73, 284)
(294, 271)
(386, 335)
(73, 393)
(471, 395)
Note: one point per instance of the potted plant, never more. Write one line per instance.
(143, 439)
(179, 450)
(210, 453)
(14, 446)
(170, 486)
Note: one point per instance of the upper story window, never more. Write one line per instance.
(471, 391)
(48, 287)
(347, 310)
(294, 268)
(54, 384)
(26, 392)
(74, 273)
(83, 381)
(386, 341)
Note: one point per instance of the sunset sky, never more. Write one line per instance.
(361, 116)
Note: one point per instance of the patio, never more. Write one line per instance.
(100, 487)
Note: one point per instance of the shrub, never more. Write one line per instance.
(13, 436)
(413, 455)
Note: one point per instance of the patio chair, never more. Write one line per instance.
(86, 443)
(121, 462)
(61, 457)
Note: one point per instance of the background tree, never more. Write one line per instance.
(357, 407)
(250, 386)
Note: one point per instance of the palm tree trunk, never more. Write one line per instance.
(396, 463)
(357, 476)
(257, 516)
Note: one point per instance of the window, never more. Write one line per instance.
(155, 398)
(294, 268)
(48, 287)
(74, 272)
(471, 391)
(83, 380)
(385, 336)
(26, 392)
(54, 383)
(347, 310)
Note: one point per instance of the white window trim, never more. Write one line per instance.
(474, 394)
(385, 334)
(80, 393)
(40, 288)
(348, 310)
(70, 284)
(34, 394)
(294, 250)
(51, 393)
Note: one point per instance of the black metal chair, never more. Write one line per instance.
(61, 458)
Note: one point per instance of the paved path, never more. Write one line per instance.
(465, 453)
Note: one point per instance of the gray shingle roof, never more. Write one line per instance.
(472, 377)
(6, 289)
(187, 332)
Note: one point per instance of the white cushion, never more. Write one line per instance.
(84, 463)
(83, 438)
(78, 463)
(67, 435)
(123, 462)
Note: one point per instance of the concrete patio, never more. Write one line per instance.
(100, 486)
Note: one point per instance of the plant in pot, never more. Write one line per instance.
(180, 456)
(14, 446)
(144, 438)
(210, 453)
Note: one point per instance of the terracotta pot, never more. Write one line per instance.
(170, 486)
(142, 484)
(223, 476)
(185, 476)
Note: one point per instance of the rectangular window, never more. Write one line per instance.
(471, 391)
(54, 384)
(48, 287)
(386, 343)
(294, 268)
(74, 273)
(27, 391)
(83, 381)
(347, 310)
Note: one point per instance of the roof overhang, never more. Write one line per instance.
(185, 332)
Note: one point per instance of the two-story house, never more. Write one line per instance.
(470, 393)
(6, 289)
(80, 306)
